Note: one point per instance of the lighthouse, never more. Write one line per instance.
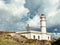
(43, 23)
(44, 34)
(45, 37)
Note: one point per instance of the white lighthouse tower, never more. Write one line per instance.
(44, 34)
(45, 37)
(43, 23)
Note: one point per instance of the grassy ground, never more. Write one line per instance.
(12, 42)
(8, 42)
(30, 44)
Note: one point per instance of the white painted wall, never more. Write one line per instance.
(43, 30)
(45, 37)
(42, 36)
(27, 35)
(43, 23)
(36, 36)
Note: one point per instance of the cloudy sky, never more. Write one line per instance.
(16, 14)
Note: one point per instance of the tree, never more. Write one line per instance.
(57, 42)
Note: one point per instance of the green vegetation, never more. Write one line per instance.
(8, 42)
(11, 42)
(56, 41)
(30, 44)
(6, 39)
(17, 39)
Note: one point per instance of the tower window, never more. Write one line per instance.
(38, 37)
(48, 37)
(34, 36)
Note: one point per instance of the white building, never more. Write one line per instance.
(43, 35)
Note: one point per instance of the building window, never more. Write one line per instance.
(34, 36)
(38, 37)
(48, 37)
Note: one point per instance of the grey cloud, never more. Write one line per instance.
(33, 5)
(11, 14)
(37, 5)
(7, 1)
(48, 7)
(8, 22)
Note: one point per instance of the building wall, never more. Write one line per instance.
(37, 36)
(45, 37)
(28, 35)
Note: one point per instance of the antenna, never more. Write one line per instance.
(28, 28)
